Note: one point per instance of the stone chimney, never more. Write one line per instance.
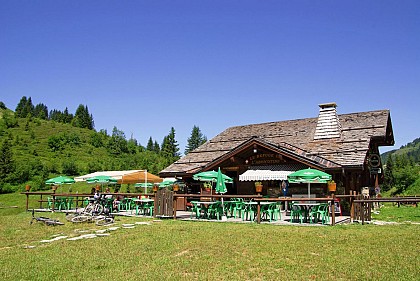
(328, 125)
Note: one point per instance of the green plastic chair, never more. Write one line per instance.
(125, 204)
(238, 209)
(314, 214)
(271, 212)
(148, 208)
(324, 213)
(296, 213)
(49, 202)
(109, 203)
(60, 203)
(249, 211)
(196, 209)
(85, 202)
(69, 203)
(215, 211)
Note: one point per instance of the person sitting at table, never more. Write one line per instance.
(96, 195)
(117, 200)
(107, 190)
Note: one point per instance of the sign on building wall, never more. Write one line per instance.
(265, 159)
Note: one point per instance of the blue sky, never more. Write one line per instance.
(147, 66)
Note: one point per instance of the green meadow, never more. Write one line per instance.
(189, 250)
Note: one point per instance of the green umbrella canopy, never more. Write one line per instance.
(60, 180)
(142, 184)
(166, 183)
(220, 183)
(309, 176)
(211, 176)
(101, 179)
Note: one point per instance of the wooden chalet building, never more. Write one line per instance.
(345, 146)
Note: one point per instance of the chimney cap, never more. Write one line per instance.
(328, 104)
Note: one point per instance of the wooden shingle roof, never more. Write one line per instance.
(358, 130)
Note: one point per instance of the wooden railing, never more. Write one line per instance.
(360, 207)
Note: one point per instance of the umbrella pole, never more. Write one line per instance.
(145, 181)
(224, 218)
(309, 190)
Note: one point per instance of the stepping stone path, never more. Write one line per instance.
(143, 223)
(89, 235)
(54, 239)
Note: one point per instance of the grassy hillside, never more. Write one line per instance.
(402, 170)
(44, 148)
(410, 150)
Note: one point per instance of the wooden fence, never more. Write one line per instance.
(164, 204)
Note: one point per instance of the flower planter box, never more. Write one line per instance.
(332, 187)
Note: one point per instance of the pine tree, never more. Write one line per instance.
(389, 179)
(20, 106)
(195, 140)
(149, 146)
(28, 108)
(156, 147)
(67, 117)
(41, 111)
(169, 148)
(82, 118)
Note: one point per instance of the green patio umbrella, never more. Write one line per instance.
(221, 189)
(144, 184)
(211, 176)
(166, 183)
(309, 176)
(220, 183)
(60, 180)
(101, 179)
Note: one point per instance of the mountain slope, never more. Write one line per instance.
(44, 148)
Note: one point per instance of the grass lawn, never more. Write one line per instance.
(404, 213)
(181, 250)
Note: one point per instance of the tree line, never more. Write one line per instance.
(81, 119)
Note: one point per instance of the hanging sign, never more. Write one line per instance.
(374, 161)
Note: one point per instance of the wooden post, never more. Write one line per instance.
(258, 212)
(362, 207)
(53, 202)
(27, 201)
(174, 207)
(333, 209)
(352, 205)
(77, 201)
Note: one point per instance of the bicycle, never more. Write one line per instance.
(98, 218)
(94, 207)
(45, 220)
